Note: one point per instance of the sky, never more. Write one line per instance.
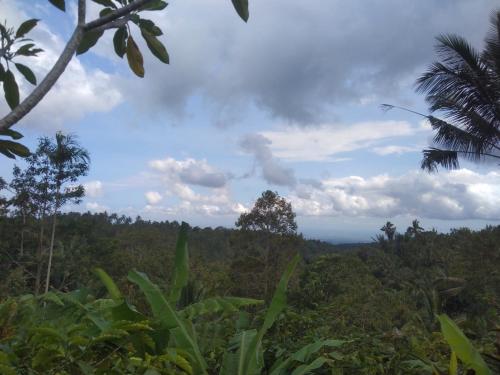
(289, 101)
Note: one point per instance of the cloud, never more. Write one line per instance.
(319, 143)
(80, 90)
(96, 207)
(93, 189)
(153, 197)
(272, 171)
(179, 178)
(322, 55)
(453, 195)
(190, 171)
(393, 149)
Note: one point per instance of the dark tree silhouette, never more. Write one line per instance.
(389, 229)
(463, 87)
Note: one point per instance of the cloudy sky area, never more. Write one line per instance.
(288, 102)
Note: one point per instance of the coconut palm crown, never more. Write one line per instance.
(463, 87)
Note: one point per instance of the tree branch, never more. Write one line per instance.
(127, 9)
(50, 79)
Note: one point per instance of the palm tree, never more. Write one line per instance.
(415, 229)
(463, 86)
(389, 229)
(68, 161)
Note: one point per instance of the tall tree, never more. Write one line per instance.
(389, 229)
(272, 215)
(415, 229)
(68, 161)
(464, 87)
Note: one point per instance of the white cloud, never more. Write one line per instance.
(153, 197)
(179, 178)
(319, 143)
(460, 194)
(96, 207)
(190, 171)
(93, 189)
(393, 149)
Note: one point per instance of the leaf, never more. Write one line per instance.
(60, 4)
(453, 369)
(306, 369)
(154, 5)
(253, 356)
(106, 3)
(303, 355)
(216, 305)
(181, 267)
(11, 89)
(155, 46)
(169, 318)
(27, 73)
(149, 26)
(26, 27)
(11, 133)
(105, 12)
(241, 7)
(2, 73)
(461, 345)
(134, 57)
(110, 285)
(89, 40)
(233, 362)
(120, 41)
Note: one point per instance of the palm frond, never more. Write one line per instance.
(434, 157)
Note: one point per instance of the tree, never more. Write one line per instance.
(69, 161)
(272, 215)
(415, 229)
(463, 86)
(389, 229)
(118, 15)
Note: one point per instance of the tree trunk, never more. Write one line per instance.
(21, 248)
(52, 237)
(39, 255)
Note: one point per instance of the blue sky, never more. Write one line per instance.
(289, 101)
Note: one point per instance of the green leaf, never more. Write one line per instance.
(27, 73)
(89, 40)
(11, 89)
(2, 73)
(106, 3)
(154, 5)
(217, 305)
(11, 133)
(461, 345)
(26, 27)
(252, 356)
(155, 46)
(60, 4)
(233, 362)
(134, 57)
(169, 318)
(120, 41)
(110, 285)
(453, 368)
(26, 50)
(105, 12)
(149, 26)
(181, 267)
(306, 369)
(241, 7)
(303, 355)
